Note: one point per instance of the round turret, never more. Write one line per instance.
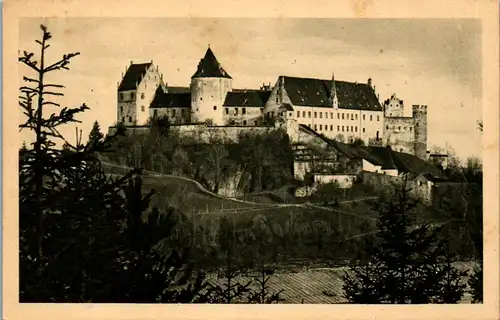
(209, 87)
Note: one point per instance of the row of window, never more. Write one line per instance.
(339, 128)
(142, 109)
(399, 128)
(339, 115)
(132, 96)
(243, 110)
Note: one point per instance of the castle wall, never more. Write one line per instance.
(399, 134)
(420, 120)
(207, 99)
(246, 116)
(133, 105)
(126, 111)
(175, 115)
(394, 107)
(145, 94)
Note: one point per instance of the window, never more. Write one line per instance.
(387, 127)
(320, 127)
(390, 114)
(347, 128)
(352, 116)
(121, 97)
(244, 122)
(338, 128)
(129, 119)
(290, 114)
(404, 128)
(342, 116)
(215, 107)
(326, 127)
(363, 117)
(356, 116)
(315, 114)
(371, 118)
(378, 118)
(227, 110)
(338, 115)
(173, 112)
(351, 129)
(321, 115)
(331, 115)
(331, 128)
(399, 128)
(123, 119)
(121, 109)
(377, 134)
(363, 129)
(142, 95)
(277, 99)
(411, 128)
(236, 111)
(342, 128)
(142, 108)
(243, 110)
(416, 124)
(315, 127)
(201, 98)
(419, 183)
(132, 95)
(155, 113)
(309, 113)
(356, 128)
(298, 114)
(303, 114)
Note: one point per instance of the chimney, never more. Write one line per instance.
(370, 82)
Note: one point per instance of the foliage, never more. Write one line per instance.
(86, 237)
(404, 264)
(476, 284)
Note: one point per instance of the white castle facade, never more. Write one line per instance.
(340, 110)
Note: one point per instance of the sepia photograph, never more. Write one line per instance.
(250, 160)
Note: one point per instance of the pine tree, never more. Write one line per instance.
(83, 236)
(406, 263)
(96, 134)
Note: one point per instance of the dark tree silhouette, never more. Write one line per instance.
(84, 236)
(406, 263)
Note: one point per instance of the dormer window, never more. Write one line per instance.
(122, 97)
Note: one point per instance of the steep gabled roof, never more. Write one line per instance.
(247, 98)
(209, 67)
(133, 76)
(316, 92)
(385, 155)
(170, 100)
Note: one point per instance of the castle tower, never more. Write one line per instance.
(135, 93)
(420, 125)
(209, 86)
(393, 107)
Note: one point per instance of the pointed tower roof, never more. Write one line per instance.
(209, 67)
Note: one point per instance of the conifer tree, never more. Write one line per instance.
(406, 263)
(83, 236)
(95, 133)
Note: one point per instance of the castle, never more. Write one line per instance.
(339, 110)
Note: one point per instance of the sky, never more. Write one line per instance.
(434, 62)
